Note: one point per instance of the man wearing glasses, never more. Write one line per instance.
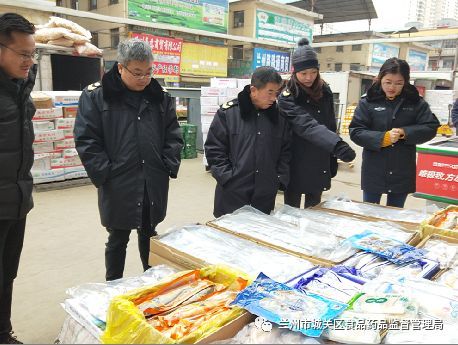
(17, 78)
(129, 141)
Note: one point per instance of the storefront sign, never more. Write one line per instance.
(167, 55)
(437, 175)
(381, 53)
(204, 60)
(208, 15)
(275, 59)
(418, 61)
(274, 27)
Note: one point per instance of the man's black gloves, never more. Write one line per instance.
(344, 152)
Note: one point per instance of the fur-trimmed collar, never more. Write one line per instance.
(409, 93)
(114, 89)
(248, 110)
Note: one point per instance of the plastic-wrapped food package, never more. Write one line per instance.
(449, 278)
(446, 219)
(72, 332)
(330, 284)
(386, 248)
(78, 39)
(340, 225)
(315, 240)
(278, 303)
(424, 331)
(55, 22)
(48, 34)
(254, 334)
(443, 252)
(96, 297)
(214, 247)
(376, 211)
(88, 49)
(369, 266)
(390, 305)
(434, 300)
(63, 42)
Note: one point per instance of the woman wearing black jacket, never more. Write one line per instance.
(308, 105)
(390, 120)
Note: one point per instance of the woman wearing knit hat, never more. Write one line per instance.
(308, 104)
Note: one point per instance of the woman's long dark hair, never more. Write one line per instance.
(315, 91)
(394, 66)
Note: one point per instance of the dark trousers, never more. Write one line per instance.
(115, 248)
(11, 241)
(393, 199)
(294, 199)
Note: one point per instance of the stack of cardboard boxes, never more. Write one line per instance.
(55, 156)
(221, 90)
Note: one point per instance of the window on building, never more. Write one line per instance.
(338, 67)
(92, 5)
(339, 49)
(329, 65)
(318, 50)
(95, 38)
(59, 3)
(237, 52)
(449, 44)
(239, 19)
(114, 33)
(114, 2)
(447, 64)
(355, 67)
(356, 47)
(74, 4)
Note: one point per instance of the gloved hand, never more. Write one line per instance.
(344, 152)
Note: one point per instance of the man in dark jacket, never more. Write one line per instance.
(17, 78)
(247, 147)
(129, 141)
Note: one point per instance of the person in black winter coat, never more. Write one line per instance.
(247, 147)
(307, 104)
(128, 138)
(390, 120)
(17, 78)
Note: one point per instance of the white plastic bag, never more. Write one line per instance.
(88, 49)
(63, 42)
(48, 34)
(68, 24)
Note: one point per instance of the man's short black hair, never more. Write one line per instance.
(264, 75)
(12, 22)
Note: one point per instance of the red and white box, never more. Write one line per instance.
(43, 147)
(64, 144)
(65, 123)
(48, 114)
(47, 136)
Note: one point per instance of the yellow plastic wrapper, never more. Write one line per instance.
(443, 222)
(126, 323)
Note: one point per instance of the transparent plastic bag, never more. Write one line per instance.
(48, 34)
(214, 246)
(443, 252)
(63, 42)
(315, 239)
(88, 49)
(78, 39)
(57, 22)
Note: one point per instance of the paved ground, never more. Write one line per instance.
(64, 243)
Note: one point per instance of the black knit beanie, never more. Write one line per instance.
(304, 56)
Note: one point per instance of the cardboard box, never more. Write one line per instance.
(43, 147)
(209, 101)
(48, 136)
(67, 153)
(55, 154)
(68, 133)
(222, 100)
(64, 144)
(427, 229)
(48, 114)
(75, 172)
(70, 112)
(41, 161)
(212, 91)
(52, 175)
(209, 109)
(65, 98)
(67, 123)
(241, 83)
(41, 100)
(229, 330)
(42, 126)
(68, 162)
(223, 82)
(233, 93)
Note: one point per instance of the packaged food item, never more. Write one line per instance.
(447, 219)
(443, 252)
(300, 311)
(387, 248)
(387, 304)
(58, 22)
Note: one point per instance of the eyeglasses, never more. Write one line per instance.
(24, 57)
(139, 76)
(390, 84)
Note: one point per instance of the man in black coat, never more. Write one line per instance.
(128, 138)
(17, 78)
(247, 147)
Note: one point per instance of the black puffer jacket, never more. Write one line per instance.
(16, 152)
(314, 139)
(123, 145)
(248, 154)
(391, 169)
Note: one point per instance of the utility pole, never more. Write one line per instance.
(455, 67)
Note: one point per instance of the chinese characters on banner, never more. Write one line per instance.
(437, 175)
(275, 59)
(167, 55)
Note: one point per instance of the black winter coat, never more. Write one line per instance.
(314, 139)
(248, 154)
(16, 151)
(391, 169)
(124, 145)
